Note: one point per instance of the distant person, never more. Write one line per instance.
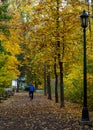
(31, 91)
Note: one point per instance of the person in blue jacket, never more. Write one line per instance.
(31, 91)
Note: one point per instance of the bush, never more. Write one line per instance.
(26, 88)
(74, 91)
(1, 91)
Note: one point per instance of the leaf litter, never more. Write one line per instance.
(18, 112)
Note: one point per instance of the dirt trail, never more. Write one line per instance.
(19, 113)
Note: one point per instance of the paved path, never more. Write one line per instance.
(19, 113)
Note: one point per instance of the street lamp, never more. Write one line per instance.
(85, 114)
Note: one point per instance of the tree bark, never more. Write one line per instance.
(59, 58)
(49, 86)
(45, 81)
(17, 90)
(56, 83)
(61, 85)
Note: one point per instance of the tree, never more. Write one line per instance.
(9, 47)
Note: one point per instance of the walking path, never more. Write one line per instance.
(19, 113)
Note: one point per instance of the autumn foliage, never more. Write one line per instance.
(36, 34)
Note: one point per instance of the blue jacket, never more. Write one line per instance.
(31, 88)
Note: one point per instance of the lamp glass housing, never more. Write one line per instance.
(84, 19)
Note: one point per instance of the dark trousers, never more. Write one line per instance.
(31, 94)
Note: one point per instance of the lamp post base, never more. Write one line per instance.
(85, 117)
(89, 123)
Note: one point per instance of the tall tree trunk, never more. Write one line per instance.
(35, 82)
(49, 86)
(56, 83)
(61, 85)
(45, 81)
(17, 90)
(36, 86)
(59, 58)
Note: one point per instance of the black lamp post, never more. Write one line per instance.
(85, 115)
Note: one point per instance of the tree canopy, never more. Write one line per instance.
(33, 33)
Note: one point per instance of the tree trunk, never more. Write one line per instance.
(56, 83)
(49, 86)
(45, 82)
(59, 58)
(36, 86)
(61, 85)
(17, 90)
